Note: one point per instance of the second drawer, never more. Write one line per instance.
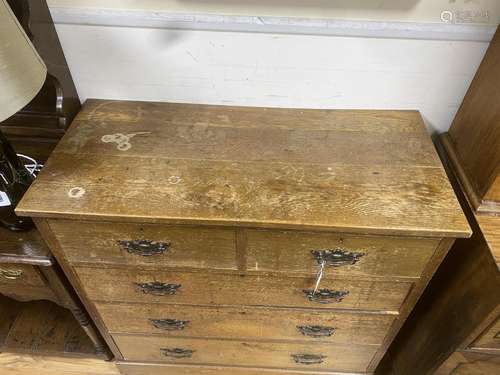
(195, 288)
(245, 323)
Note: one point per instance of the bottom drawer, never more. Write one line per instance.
(132, 368)
(347, 358)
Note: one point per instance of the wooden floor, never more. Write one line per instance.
(23, 364)
(41, 328)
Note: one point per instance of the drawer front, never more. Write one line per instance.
(345, 255)
(490, 339)
(148, 244)
(131, 368)
(20, 275)
(144, 286)
(318, 356)
(245, 323)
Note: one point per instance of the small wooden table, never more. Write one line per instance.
(29, 272)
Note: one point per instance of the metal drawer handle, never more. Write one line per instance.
(308, 359)
(169, 324)
(177, 352)
(158, 289)
(337, 257)
(145, 248)
(11, 274)
(316, 331)
(325, 295)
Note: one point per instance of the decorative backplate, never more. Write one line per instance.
(325, 295)
(337, 257)
(158, 289)
(145, 248)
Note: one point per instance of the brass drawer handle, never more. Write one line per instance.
(177, 353)
(11, 274)
(316, 331)
(145, 248)
(169, 324)
(158, 289)
(308, 359)
(325, 295)
(337, 257)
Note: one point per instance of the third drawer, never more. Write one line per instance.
(245, 323)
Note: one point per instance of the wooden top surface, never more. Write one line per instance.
(343, 170)
(24, 247)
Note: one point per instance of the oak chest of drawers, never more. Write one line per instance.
(224, 240)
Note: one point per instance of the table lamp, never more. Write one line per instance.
(22, 74)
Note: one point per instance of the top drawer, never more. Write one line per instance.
(147, 244)
(290, 252)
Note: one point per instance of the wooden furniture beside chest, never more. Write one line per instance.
(457, 320)
(29, 272)
(473, 141)
(195, 234)
(456, 323)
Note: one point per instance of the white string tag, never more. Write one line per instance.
(319, 276)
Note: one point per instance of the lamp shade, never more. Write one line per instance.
(22, 71)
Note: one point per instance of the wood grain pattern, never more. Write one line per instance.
(97, 326)
(28, 293)
(195, 247)
(20, 274)
(490, 226)
(131, 368)
(42, 328)
(286, 252)
(489, 340)
(477, 127)
(246, 353)
(119, 285)
(199, 185)
(290, 252)
(470, 363)
(23, 247)
(461, 301)
(25, 364)
(245, 323)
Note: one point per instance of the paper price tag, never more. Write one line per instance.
(4, 199)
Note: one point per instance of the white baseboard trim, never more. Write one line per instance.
(275, 25)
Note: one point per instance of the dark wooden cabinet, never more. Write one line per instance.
(226, 240)
(454, 328)
(473, 141)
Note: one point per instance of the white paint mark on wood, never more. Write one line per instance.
(174, 180)
(76, 192)
(122, 140)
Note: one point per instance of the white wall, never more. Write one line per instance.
(378, 10)
(284, 69)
